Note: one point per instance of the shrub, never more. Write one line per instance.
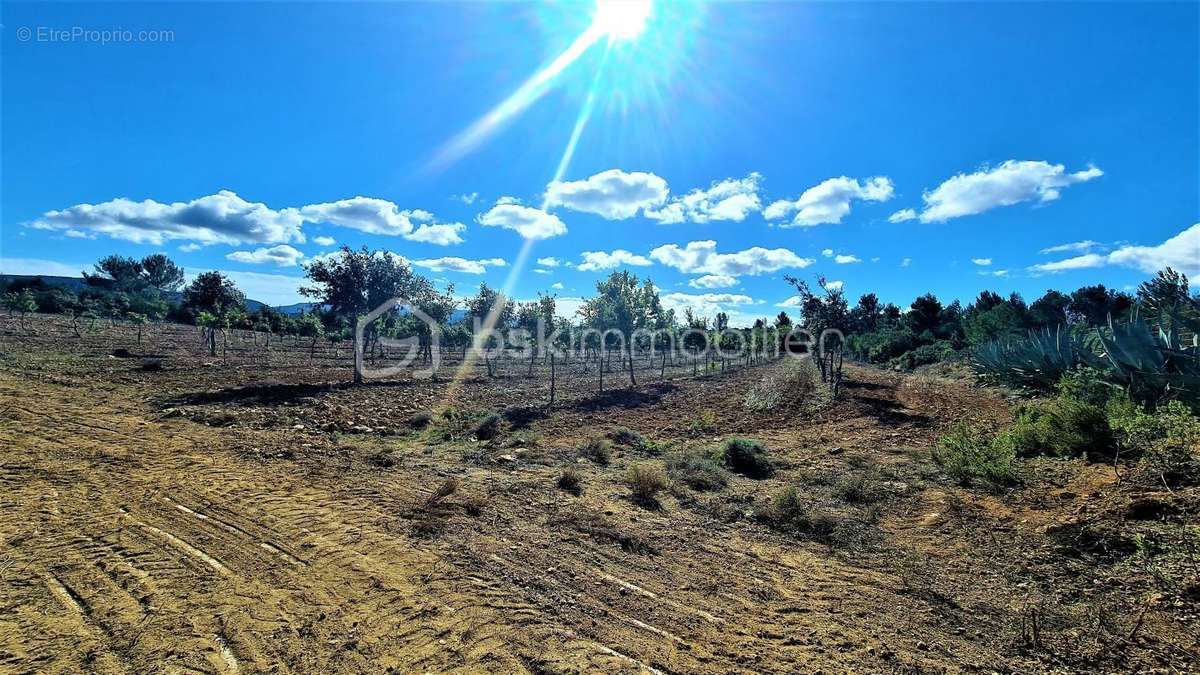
(967, 453)
(571, 480)
(704, 421)
(1086, 385)
(857, 489)
(420, 420)
(747, 457)
(599, 450)
(794, 379)
(787, 511)
(628, 437)
(936, 352)
(645, 481)
(487, 427)
(1167, 440)
(1059, 427)
(697, 471)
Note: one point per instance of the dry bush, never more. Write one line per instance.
(794, 380)
(645, 481)
(744, 456)
(420, 420)
(599, 450)
(571, 480)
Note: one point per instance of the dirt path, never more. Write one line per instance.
(137, 541)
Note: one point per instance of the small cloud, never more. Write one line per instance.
(902, 215)
(455, 264)
(729, 199)
(281, 255)
(466, 197)
(713, 281)
(324, 241)
(529, 222)
(190, 248)
(557, 286)
(1085, 261)
(835, 285)
(828, 253)
(612, 194)
(601, 260)
(549, 262)
(982, 262)
(1074, 247)
(829, 201)
(906, 262)
(846, 259)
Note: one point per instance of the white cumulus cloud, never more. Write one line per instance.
(713, 281)
(281, 255)
(527, 221)
(549, 262)
(982, 262)
(902, 215)
(601, 260)
(729, 199)
(324, 241)
(1012, 182)
(846, 259)
(701, 257)
(612, 194)
(829, 201)
(222, 218)
(380, 216)
(455, 264)
(1181, 252)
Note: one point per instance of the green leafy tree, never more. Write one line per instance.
(215, 295)
(161, 273)
(625, 304)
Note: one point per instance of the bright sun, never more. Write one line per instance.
(621, 19)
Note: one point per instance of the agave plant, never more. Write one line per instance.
(1036, 362)
(1152, 362)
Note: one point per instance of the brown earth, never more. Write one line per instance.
(239, 515)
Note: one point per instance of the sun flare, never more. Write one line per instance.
(621, 19)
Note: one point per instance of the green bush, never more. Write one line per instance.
(1086, 385)
(1059, 427)
(632, 439)
(924, 355)
(1166, 440)
(744, 456)
(488, 426)
(599, 450)
(967, 453)
(697, 471)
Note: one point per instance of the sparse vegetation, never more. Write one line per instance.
(697, 470)
(746, 457)
(967, 453)
(420, 420)
(599, 450)
(645, 481)
(571, 480)
(488, 426)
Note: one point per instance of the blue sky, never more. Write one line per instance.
(897, 148)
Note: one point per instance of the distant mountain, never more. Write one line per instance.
(77, 284)
(296, 308)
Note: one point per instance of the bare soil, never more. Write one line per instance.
(258, 513)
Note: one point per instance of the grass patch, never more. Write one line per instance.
(857, 489)
(571, 480)
(488, 426)
(599, 450)
(968, 453)
(698, 471)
